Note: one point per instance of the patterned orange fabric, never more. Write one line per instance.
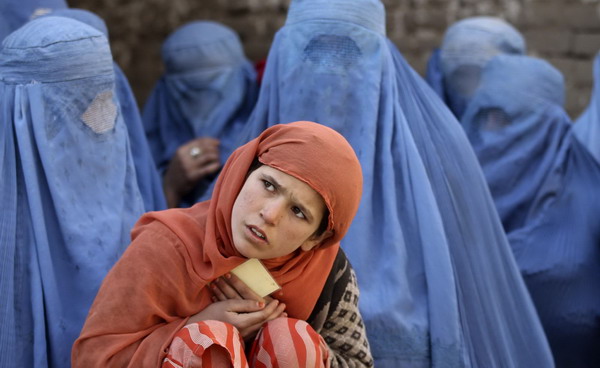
(284, 342)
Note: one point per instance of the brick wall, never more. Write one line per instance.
(564, 32)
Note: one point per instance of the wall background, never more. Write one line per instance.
(564, 32)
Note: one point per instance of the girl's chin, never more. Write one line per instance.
(247, 251)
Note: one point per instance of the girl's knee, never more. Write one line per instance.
(284, 324)
(292, 340)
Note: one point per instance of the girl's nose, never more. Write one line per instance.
(272, 211)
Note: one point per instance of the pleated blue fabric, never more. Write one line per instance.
(434, 75)
(587, 126)
(516, 158)
(69, 183)
(454, 70)
(208, 89)
(147, 175)
(439, 286)
(15, 13)
(544, 183)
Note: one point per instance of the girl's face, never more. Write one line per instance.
(275, 214)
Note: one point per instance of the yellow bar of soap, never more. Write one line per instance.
(254, 274)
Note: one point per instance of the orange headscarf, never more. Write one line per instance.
(160, 280)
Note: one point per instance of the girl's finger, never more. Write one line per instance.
(251, 318)
(242, 289)
(226, 289)
(217, 292)
(247, 307)
(253, 329)
(279, 312)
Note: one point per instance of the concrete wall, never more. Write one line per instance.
(564, 32)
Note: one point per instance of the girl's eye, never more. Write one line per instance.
(298, 212)
(268, 186)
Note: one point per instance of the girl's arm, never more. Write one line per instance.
(144, 300)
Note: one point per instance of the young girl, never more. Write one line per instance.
(286, 198)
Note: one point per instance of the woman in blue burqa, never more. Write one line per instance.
(544, 184)
(454, 69)
(587, 126)
(147, 175)
(198, 107)
(439, 286)
(69, 189)
(15, 13)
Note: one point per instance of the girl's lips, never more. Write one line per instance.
(253, 230)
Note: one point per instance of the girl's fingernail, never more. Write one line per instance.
(227, 275)
(261, 304)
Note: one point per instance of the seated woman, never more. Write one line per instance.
(543, 182)
(278, 200)
(454, 69)
(69, 192)
(197, 108)
(147, 176)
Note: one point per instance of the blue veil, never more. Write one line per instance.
(439, 287)
(434, 75)
(537, 168)
(587, 126)
(454, 69)
(15, 13)
(66, 156)
(209, 89)
(145, 168)
(516, 158)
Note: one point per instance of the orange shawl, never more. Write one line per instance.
(160, 280)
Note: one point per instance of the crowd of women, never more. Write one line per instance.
(460, 206)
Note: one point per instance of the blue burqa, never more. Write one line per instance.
(587, 126)
(147, 175)
(208, 90)
(69, 185)
(454, 69)
(15, 13)
(516, 158)
(439, 286)
(544, 183)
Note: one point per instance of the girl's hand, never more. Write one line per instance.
(231, 287)
(246, 315)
